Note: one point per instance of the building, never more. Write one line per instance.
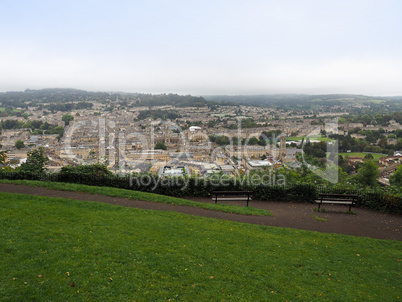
(255, 164)
(169, 171)
(245, 151)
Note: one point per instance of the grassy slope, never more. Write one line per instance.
(137, 195)
(57, 249)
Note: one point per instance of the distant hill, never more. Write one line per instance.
(33, 97)
(280, 99)
(65, 95)
(305, 102)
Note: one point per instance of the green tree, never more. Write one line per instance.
(253, 141)
(160, 146)
(368, 156)
(67, 118)
(344, 165)
(36, 162)
(220, 139)
(58, 130)
(396, 178)
(368, 174)
(19, 144)
(341, 120)
(3, 157)
(366, 119)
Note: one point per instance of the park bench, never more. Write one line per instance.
(232, 196)
(344, 199)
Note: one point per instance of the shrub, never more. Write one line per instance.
(98, 175)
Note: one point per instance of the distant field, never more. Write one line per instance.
(294, 138)
(362, 155)
(2, 109)
(56, 249)
(374, 101)
(314, 137)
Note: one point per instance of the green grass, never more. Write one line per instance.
(137, 195)
(55, 249)
(318, 218)
(314, 137)
(294, 138)
(362, 155)
(3, 109)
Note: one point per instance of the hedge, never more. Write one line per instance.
(185, 186)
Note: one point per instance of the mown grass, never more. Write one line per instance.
(137, 195)
(57, 249)
(314, 137)
(3, 109)
(376, 157)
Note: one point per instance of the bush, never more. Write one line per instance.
(381, 201)
(98, 175)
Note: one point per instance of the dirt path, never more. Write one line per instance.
(365, 223)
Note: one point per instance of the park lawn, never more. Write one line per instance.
(314, 137)
(321, 138)
(376, 156)
(3, 109)
(137, 195)
(294, 138)
(56, 249)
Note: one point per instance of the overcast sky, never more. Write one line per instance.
(203, 47)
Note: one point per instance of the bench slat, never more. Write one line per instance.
(339, 195)
(234, 199)
(232, 192)
(246, 196)
(334, 202)
(340, 200)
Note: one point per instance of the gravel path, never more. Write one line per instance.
(365, 223)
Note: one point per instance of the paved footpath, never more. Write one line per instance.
(365, 223)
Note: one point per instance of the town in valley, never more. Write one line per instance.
(173, 135)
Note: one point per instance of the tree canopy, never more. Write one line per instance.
(396, 178)
(19, 144)
(368, 174)
(36, 162)
(160, 146)
(67, 118)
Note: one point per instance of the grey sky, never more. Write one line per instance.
(203, 47)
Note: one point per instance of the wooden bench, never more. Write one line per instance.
(345, 199)
(229, 196)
